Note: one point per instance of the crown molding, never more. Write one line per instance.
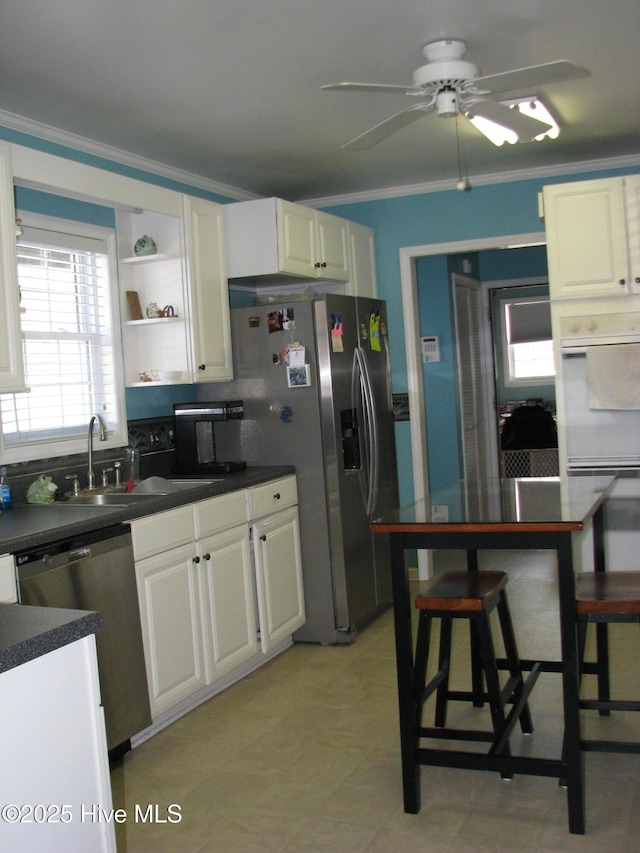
(53, 135)
(631, 161)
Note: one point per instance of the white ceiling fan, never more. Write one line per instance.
(451, 86)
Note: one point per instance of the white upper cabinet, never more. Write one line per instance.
(362, 261)
(593, 238)
(11, 363)
(181, 332)
(208, 290)
(270, 236)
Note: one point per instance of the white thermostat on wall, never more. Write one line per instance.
(431, 348)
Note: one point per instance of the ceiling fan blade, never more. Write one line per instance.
(374, 87)
(386, 128)
(527, 128)
(535, 75)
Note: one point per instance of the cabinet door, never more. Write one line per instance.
(296, 239)
(8, 591)
(632, 197)
(168, 590)
(228, 601)
(332, 253)
(362, 270)
(276, 543)
(586, 239)
(11, 363)
(209, 290)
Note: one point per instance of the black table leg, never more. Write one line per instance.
(477, 679)
(404, 663)
(570, 687)
(602, 629)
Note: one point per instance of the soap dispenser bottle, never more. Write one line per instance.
(6, 501)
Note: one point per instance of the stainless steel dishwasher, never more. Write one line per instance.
(96, 571)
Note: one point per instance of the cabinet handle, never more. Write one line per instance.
(622, 282)
(202, 367)
(323, 264)
(196, 559)
(317, 265)
(277, 496)
(637, 279)
(263, 538)
(207, 556)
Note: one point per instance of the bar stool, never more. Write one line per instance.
(470, 595)
(603, 598)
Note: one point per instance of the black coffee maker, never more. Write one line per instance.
(195, 437)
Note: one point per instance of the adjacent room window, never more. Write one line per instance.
(71, 345)
(529, 346)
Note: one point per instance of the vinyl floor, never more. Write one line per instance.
(303, 755)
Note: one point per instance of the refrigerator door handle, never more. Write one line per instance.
(361, 383)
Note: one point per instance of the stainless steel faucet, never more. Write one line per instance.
(91, 477)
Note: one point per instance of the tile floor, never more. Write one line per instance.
(303, 756)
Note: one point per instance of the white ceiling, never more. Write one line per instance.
(229, 90)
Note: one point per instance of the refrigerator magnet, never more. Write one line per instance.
(336, 333)
(298, 377)
(297, 356)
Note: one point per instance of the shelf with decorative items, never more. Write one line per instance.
(153, 302)
(146, 259)
(174, 299)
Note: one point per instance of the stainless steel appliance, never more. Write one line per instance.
(599, 415)
(314, 377)
(195, 437)
(96, 572)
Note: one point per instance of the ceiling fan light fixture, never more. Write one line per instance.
(534, 108)
(495, 133)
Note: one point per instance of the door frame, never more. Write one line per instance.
(411, 319)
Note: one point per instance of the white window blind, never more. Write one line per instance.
(67, 339)
(528, 345)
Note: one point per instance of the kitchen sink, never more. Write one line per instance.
(117, 496)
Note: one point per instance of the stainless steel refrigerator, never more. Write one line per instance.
(314, 377)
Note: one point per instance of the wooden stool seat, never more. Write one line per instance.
(462, 591)
(608, 592)
(603, 598)
(470, 595)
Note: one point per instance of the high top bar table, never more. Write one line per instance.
(513, 514)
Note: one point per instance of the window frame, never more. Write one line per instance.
(510, 380)
(116, 437)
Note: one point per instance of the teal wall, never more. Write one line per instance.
(409, 220)
(442, 217)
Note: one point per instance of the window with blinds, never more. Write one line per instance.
(527, 325)
(68, 341)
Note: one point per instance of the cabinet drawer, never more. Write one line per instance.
(164, 530)
(221, 513)
(272, 496)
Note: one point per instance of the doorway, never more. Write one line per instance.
(409, 293)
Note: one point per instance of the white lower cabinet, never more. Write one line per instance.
(206, 596)
(276, 541)
(169, 595)
(227, 590)
(273, 512)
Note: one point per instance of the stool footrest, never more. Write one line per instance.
(610, 705)
(610, 746)
(456, 734)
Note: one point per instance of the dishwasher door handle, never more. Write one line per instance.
(79, 553)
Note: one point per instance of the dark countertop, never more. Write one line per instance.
(30, 632)
(30, 526)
